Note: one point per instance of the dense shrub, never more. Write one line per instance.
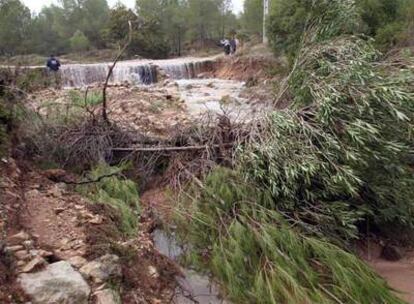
(79, 42)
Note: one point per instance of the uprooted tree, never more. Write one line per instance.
(279, 224)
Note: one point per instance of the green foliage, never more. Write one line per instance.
(385, 20)
(79, 42)
(252, 18)
(78, 99)
(290, 19)
(118, 192)
(260, 258)
(159, 26)
(14, 27)
(344, 142)
(147, 38)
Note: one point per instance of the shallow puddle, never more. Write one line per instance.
(194, 287)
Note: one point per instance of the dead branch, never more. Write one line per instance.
(111, 69)
(172, 149)
(97, 180)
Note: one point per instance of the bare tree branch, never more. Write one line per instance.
(111, 69)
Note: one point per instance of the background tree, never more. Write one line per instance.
(15, 21)
(79, 42)
(95, 17)
(252, 18)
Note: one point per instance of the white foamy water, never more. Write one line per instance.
(134, 71)
(213, 95)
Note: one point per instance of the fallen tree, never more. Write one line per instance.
(279, 226)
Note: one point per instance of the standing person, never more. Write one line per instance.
(233, 46)
(53, 65)
(227, 47)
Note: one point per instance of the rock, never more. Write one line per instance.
(56, 175)
(391, 253)
(14, 248)
(58, 283)
(55, 191)
(97, 220)
(103, 268)
(18, 238)
(32, 194)
(77, 261)
(79, 207)
(36, 263)
(21, 263)
(107, 296)
(28, 244)
(153, 272)
(22, 255)
(59, 210)
(44, 253)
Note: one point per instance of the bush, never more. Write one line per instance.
(79, 42)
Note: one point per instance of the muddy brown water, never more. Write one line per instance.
(399, 275)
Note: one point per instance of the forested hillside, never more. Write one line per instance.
(164, 27)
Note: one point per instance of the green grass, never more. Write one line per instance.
(119, 193)
(78, 99)
(259, 258)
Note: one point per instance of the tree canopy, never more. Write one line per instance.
(161, 27)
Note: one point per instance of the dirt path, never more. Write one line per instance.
(55, 216)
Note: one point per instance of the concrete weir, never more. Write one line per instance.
(142, 71)
(134, 71)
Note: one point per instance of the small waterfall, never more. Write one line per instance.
(76, 75)
(134, 72)
(186, 70)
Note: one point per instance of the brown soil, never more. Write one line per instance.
(154, 110)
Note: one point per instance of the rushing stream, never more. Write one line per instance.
(213, 95)
(194, 287)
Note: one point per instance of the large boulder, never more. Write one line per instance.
(103, 269)
(58, 283)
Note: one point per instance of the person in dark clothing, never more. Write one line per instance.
(53, 66)
(227, 47)
(233, 46)
(53, 63)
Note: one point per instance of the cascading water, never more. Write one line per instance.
(77, 75)
(186, 70)
(134, 71)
